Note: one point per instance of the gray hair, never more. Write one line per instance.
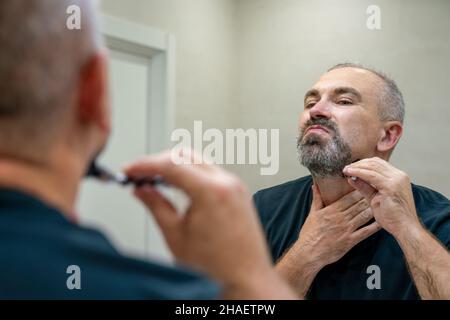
(391, 104)
(40, 62)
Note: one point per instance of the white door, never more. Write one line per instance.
(109, 207)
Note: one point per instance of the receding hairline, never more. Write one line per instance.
(378, 76)
(359, 66)
(391, 98)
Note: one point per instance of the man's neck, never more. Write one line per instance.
(53, 182)
(332, 189)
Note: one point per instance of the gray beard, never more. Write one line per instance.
(324, 158)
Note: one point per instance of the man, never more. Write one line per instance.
(372, 236)
(54, 119)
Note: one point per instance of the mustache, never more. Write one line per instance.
(330, 125)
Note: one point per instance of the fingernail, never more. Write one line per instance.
(145, 189)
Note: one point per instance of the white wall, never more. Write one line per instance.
(205, 40)
(247, 63)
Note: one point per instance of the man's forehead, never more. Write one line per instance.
(364, 81)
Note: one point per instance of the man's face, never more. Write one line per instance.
(340, 122)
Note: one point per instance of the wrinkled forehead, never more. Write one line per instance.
(365, 82)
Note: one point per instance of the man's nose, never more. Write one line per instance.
(320, 110)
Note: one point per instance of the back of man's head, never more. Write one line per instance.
(40, 63)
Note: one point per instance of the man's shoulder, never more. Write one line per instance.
(53, 244)
(433, 208)
(429, 192)
(429, 200)
(99, 264)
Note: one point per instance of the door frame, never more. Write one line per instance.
(159, 48)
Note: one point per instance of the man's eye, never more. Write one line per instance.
(309, 105)
(345, 102)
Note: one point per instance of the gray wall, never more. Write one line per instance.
(247, 63)
(206, 46)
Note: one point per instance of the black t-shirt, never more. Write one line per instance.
(283, 210)
(38, 244)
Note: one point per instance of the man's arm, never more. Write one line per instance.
(327, 235)
(298, 269)
(428, 262)
(389, 192)
(219, 234)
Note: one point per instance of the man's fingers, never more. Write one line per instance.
(357, 208)
(363, 233)
(369, 176)
(188, 156)
(164, 213)
(376, 164)
(361, 219)
(187, 177)
(317, 202)
(364, 188)
(149, 165)
(348, 200)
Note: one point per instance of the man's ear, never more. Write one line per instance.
(392, 131)
(93, 100)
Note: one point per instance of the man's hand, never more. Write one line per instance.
(389, 192)
(327, 235)
(330, 232)
(220, 233)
